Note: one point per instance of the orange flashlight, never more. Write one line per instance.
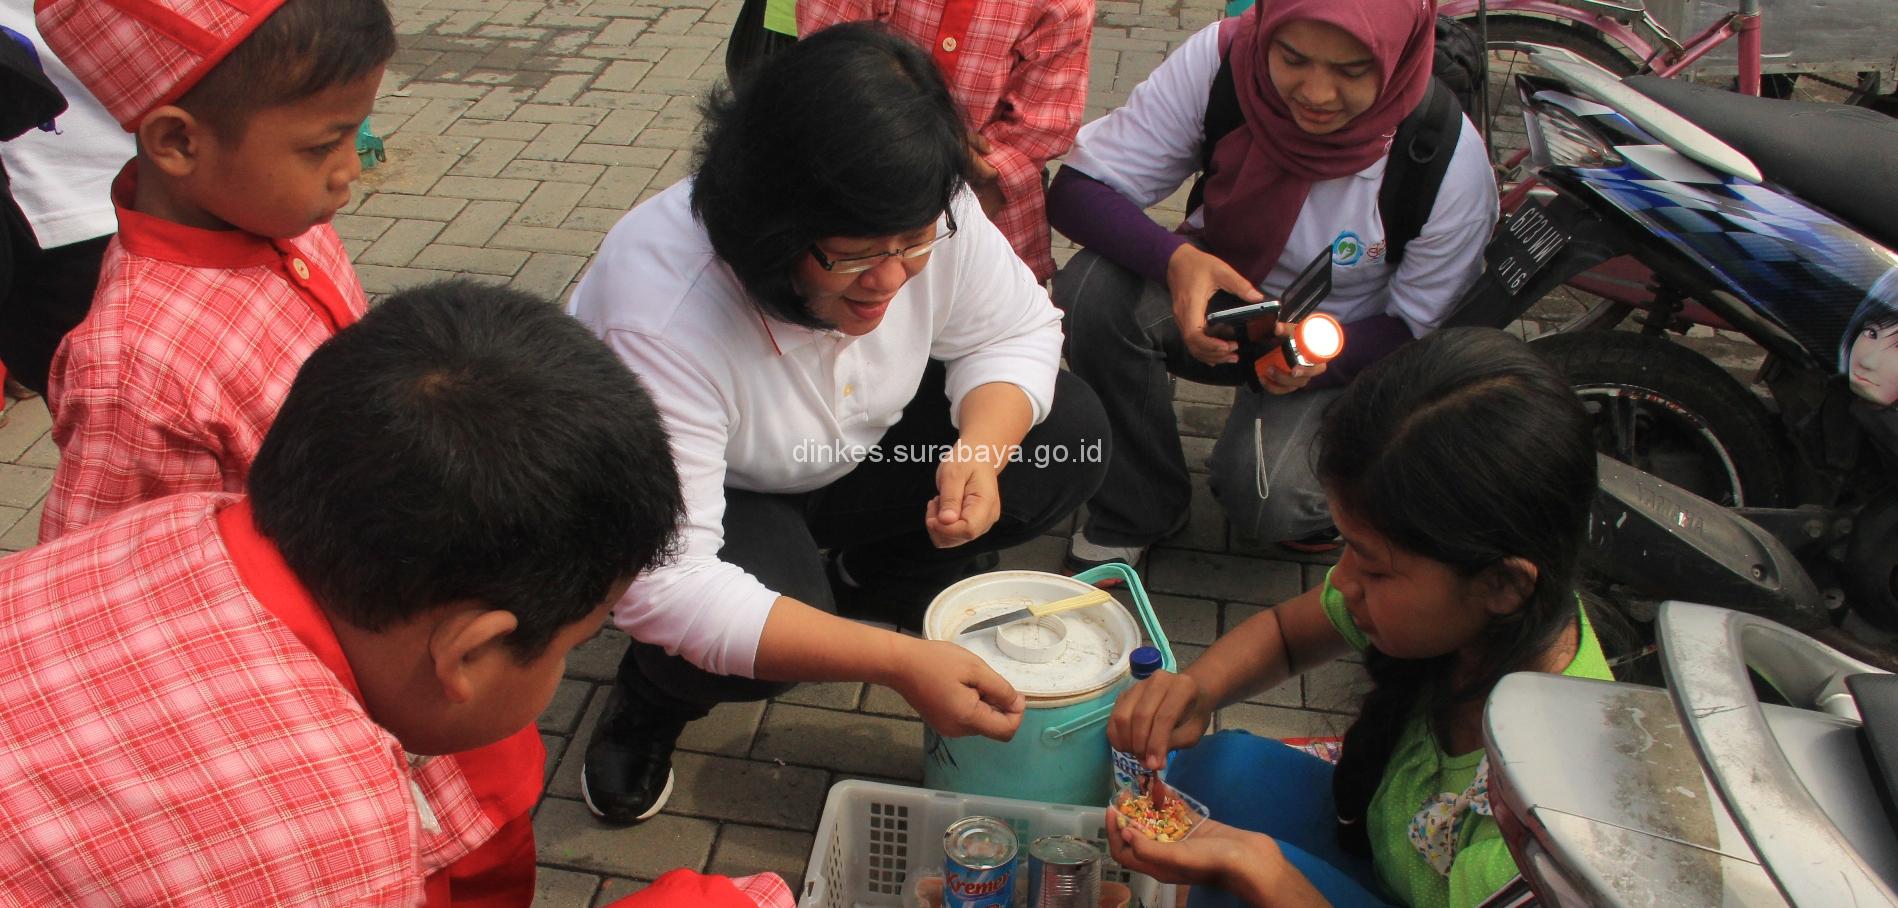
(1318, 338)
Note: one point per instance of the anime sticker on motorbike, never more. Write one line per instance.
(1868, 354)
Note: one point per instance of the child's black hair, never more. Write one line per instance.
(466, 442)
(849, 132)
(303, 48)
(1464, 447)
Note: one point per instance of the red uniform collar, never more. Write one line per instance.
(195, 247)
(268, 578)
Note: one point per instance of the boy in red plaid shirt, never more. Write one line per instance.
(224, 275)
(1018, 72)
(212, 699)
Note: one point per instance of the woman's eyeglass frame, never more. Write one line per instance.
(857, 264)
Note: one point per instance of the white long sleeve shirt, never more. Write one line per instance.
(754, 403)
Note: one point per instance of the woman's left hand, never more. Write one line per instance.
(1277, 381)
(968, 501)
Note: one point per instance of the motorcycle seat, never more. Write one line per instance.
(1840, 158)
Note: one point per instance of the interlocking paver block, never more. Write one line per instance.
(470, 259)
(743, 850)
(846, 741)
(400, 243)
(477, 223)
(488, 158)
(569, 837)
(25, 532)
(557, 141)
(547, 239)
(483, 188)
(548, 275)
(1225, 577)
(747, 791)
(23, 487)
(622, 75)
(564, 889)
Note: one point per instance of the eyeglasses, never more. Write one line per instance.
(858, 264)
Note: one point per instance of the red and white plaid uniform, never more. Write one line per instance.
(1017, 70)
(166, 739)
(190, 347)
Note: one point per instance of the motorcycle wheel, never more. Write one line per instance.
(1508, 43)
(1670, 412)
(1869, 572)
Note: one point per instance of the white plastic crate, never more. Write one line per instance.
(872, 835)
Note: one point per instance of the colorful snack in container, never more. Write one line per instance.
(1177, 816)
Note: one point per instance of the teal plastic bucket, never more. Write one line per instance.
(1060, 753)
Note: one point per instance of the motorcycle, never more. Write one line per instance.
(1715, 791)
(1775, 219)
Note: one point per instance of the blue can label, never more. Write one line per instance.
(965, 888)
(979, 859)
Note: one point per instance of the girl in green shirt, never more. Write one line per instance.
(1460, 470)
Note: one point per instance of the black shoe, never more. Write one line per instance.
(627, 775)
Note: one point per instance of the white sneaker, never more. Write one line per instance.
(1084, 553)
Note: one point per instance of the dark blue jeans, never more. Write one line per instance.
(1261, 785)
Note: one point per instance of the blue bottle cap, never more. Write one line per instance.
(1144, 660)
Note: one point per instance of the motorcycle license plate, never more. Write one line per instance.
(1523, 246)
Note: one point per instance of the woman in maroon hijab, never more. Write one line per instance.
(1321, 86)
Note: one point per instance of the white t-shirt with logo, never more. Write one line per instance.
(1150, 146)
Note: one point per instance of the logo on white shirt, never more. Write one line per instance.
(1346, 249)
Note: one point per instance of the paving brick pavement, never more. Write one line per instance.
(518, 132)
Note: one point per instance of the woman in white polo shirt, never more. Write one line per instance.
(1321, 85)
(847, 355)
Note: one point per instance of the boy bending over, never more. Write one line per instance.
(219, 699)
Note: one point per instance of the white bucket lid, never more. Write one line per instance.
(1099, 637)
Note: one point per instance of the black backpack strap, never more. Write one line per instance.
(1420, 155)
(1222, 116)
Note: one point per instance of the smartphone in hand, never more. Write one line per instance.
(1231, 318)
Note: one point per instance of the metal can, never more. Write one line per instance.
(978, 863)
(1064, 871)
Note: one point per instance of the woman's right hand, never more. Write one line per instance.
(1192, 276)
(953, 690)
(1161, 713)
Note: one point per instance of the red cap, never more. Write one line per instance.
(137, 55)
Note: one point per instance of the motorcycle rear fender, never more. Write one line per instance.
(1669, 543)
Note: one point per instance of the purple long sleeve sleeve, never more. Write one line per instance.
(1366, 341)
(1094, 215)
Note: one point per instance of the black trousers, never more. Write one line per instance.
(44, 293)
(874, 516)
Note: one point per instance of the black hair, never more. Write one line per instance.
(1879, 309)
(303, 48)
(1464, 447)
(849, 132)
(466, 442)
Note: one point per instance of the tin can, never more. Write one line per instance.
(979, 856)
(1064, 871)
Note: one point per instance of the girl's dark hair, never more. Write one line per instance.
(849, 132)
(1464, 447)
(302, 49)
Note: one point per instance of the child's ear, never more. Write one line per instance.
(172, 139)
(1508, 584)
(460, 643)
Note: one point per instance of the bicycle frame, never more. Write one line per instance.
(1634, 28)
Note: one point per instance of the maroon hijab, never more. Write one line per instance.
(1262, 172)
